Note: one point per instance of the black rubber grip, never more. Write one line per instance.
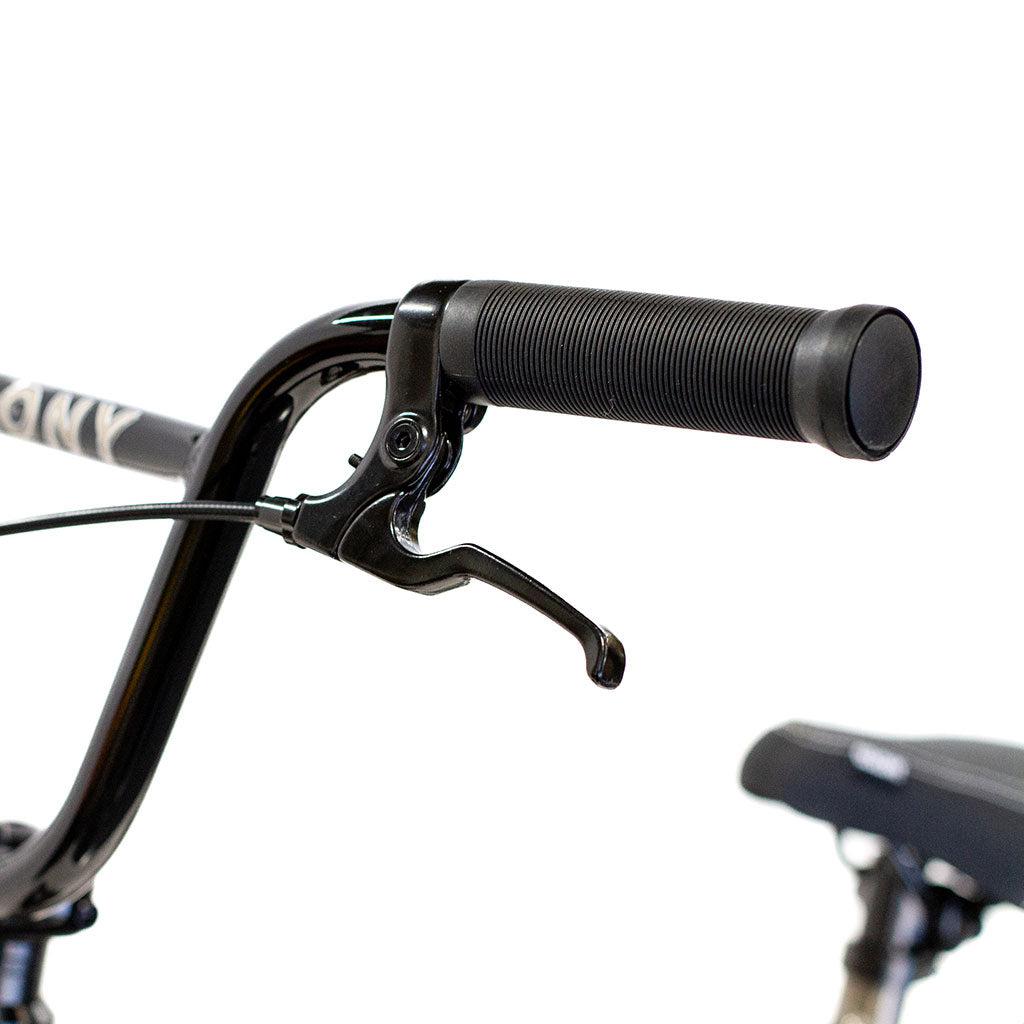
(847, 379)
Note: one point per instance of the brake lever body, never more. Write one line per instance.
(372, 519)
(383, 541)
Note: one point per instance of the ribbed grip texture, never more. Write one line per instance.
(698, 363)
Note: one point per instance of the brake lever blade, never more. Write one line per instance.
(382, 541)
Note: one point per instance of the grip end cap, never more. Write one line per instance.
(855, 379)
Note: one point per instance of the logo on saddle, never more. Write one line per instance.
(879, 763)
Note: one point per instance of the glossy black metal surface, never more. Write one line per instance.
(233, 463)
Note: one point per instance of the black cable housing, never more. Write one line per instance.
(227, 511)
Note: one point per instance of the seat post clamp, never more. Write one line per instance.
(910, 922)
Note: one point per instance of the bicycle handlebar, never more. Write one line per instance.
(99, 429)
(847, 379)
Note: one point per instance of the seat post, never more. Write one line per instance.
(880, 964)
(908, 924)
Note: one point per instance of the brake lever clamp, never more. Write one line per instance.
(372, 520)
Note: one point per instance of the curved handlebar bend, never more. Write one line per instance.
(233, 463)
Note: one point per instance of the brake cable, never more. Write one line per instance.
(225, 511)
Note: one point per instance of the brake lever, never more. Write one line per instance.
(372, 520)
(383, 540)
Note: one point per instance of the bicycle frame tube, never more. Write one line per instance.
(232, 462)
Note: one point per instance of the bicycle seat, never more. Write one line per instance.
(959, 801)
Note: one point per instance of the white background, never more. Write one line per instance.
(456, 825)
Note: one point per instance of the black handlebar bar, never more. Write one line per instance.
(846, 379)
(100, 429)
(232, 463)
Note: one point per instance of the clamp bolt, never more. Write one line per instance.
(404, 440)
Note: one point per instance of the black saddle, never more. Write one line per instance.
(958, 801)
